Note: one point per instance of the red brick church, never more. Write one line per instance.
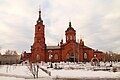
(69, 51)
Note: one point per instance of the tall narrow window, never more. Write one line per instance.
(38, 57)
(56, 56)
(38, 28)
(85, 55)
(67, 56)
(74, 37)
(70, 37)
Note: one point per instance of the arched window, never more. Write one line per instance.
(38, 28)
(67, 56)
(74, 37)
(56, 56)
(85, 55)
(70, 37)
(39, 40)
(38, 57)
(50, 54)
(67, 38)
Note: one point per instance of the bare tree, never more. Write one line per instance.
(34, 69)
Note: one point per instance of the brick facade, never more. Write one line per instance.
(68, 51)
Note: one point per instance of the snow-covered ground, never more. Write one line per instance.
(19, 72)
(14, 78)
(81, 70)
(69, 70)
(84, 74)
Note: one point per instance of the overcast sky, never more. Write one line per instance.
(97, 21)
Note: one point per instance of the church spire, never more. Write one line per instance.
(70, 24)
(39, 18)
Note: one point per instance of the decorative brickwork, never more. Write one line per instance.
(69, 51)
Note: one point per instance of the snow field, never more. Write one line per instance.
(69, 70)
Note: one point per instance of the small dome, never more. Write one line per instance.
(70, 27)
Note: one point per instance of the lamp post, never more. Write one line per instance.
(95, 60)
(50, 58)
(111, 60)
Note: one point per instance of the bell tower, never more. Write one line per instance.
(38, 48)
(39, 31)
(70, 33)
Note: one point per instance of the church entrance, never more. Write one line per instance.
(72, 57)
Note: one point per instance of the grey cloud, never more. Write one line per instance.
(97, 20)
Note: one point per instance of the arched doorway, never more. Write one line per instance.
(72, 57)
(95, 61)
